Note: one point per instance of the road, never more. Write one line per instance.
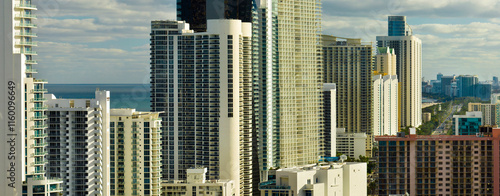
(447, 123)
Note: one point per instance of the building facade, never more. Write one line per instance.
(489, 111)
(439, 164)
(329, 134)
(467, 124)
(385, 61)
(330, 179)
(195, 184)
(135, 152)
(408, 50)
(78, 137)
(348, 63)
(385, 105)
(467, 85)
(398, 27)
(23, 107)
(197, 12)
(350, 144)
(203, 83)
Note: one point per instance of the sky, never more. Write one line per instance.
(107, 41)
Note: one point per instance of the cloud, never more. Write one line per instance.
(78, 63)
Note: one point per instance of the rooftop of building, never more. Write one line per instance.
(486, 133)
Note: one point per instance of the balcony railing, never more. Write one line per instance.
(27, 43)
(25, 24)
(25, 16)
(26, 34)
(31, 71)
(25, 5)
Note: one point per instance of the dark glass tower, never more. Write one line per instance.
(197, 12)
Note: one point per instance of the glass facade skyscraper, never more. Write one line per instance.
(197, 12)
(398, 27)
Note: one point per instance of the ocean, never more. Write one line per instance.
(122, 95)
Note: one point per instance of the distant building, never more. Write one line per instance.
(483, 91)
(348, 63)
(446, 82)
(408, 50)
(135, 152)
(385, 105)
(439, 76)
(334, 179)
(351, 144)
(195, 184)
(426, 117)
(467, 85)
(489, 111)
(467, 124)
(330, 119)
(78, 136)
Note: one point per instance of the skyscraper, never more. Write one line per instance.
(135, 152)
(288, 84)
(408, 50)
(203, 83)
(348, 63)
(78, 136)
(385, 105)
(197, 12)
(22, 108)
(329, 134)
(467, 85)
(398, 27)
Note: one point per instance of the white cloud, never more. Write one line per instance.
(77, 63)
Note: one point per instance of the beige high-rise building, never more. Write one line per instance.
(135, 152)
(348, 63)
(300, 81)
(408, 50)
(385, 61)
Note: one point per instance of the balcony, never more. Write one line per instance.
(26, 34)
(26, 16)
(28, 52)
(39, 153)
(38, 145)
(31, 71)
(39, 91)
(39, 117)
(38, 136)
(39, 127)
(25, 5)
(40, 81)
(39, 108)
(38, 172)
(31, 62)
(38, 99)
(27, 43)
(37, 163)
(26, 24)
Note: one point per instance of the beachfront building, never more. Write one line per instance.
(78, 136)
(135, 149)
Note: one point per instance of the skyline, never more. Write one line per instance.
(80, 38)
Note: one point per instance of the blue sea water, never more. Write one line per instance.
(122, 95)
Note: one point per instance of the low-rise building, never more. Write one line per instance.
(195, 184)
(330, 179)
(467, 124)
(351, 144)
